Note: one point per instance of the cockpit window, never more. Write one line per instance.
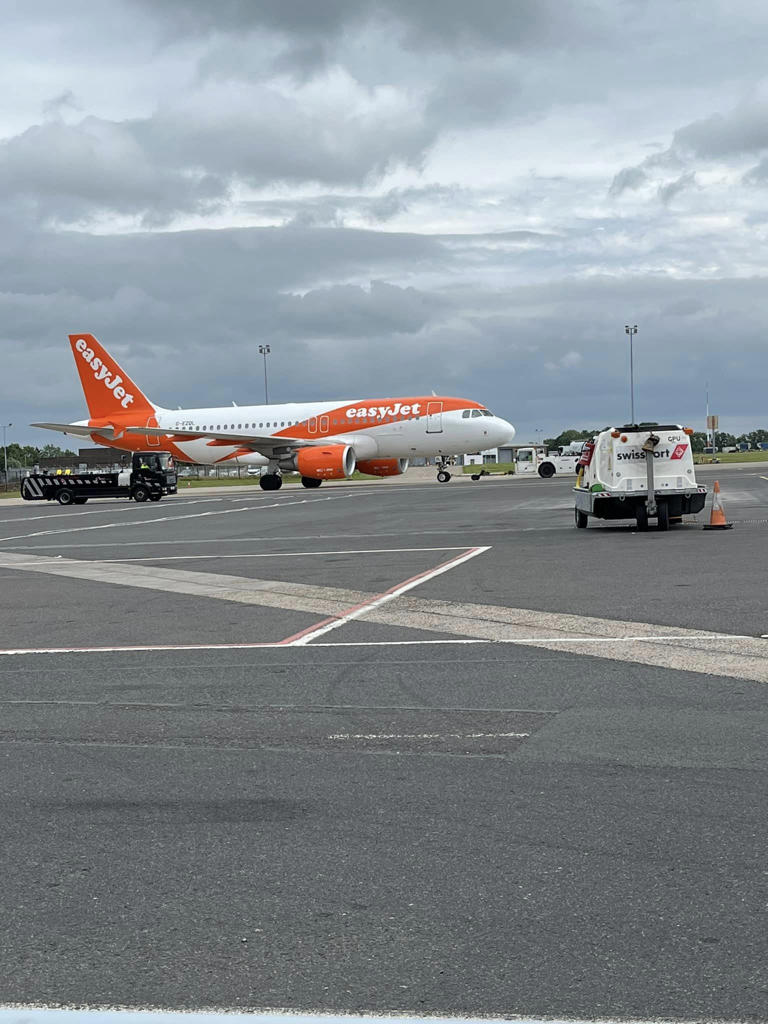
(486, 413)
(476, 413)
(465, 414)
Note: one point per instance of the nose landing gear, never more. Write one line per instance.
(443, 476)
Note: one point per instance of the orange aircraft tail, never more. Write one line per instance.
(109, 391)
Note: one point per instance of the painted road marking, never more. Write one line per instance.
(428, 736)
(718, 654)
(301, 597)
(285, 554)
(42, 1014)
(168, 519)
(307, 635)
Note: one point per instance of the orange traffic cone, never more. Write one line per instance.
(717, 520)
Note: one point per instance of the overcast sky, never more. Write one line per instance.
(399, 196)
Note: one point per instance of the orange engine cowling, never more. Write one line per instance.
(326, 462)
(383, 467)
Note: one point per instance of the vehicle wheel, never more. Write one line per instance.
(546, 470)
(662, 516)
(270, 482)
(65, 496)
(155, 497)
(581, 519)
(310, 481)
(443, 476)
(642, 517)
(140, 493)
(79, 501)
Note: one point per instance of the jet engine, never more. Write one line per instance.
(383, 467)
(326, 462)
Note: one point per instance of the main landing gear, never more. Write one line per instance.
(310, 481)
(443, 476)
(270, 482)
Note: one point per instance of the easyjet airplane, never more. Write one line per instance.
(320, 440)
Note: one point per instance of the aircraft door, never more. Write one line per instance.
(434, 417)
(152, 440)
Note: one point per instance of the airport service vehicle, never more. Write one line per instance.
(638, 473)
(538, 460)
(151, 475)
(319, 440)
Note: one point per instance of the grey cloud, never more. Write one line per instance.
(743, 130)
(187, 160)
(71, 171)
(668, 192)
(352, 311)
(757, 175)
(487, 24)
(628, 179)
(475, 95)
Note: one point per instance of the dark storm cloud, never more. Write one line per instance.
(489, 24)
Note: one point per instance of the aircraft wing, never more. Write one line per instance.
(79, 430)
(258, 443)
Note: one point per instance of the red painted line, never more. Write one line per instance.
(377, 597)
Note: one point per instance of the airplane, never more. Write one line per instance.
(319, 440)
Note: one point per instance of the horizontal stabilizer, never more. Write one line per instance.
(78, 429)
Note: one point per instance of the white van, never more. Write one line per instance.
(634, 473)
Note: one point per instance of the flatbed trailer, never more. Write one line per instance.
(151, 475)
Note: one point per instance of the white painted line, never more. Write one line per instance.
(427, 735)
(274, 644)
(41, 1014)
(306, 636)
(284, 554)
(197, 541)
(168, 519)
(277, 644)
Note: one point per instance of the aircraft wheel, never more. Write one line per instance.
(476, 476)
(65, 497)
(581, 519)
(310, 481)
(443, 476)
(140, 493)
(270, 482)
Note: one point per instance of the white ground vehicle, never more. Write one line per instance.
(546, 464)
(635, 473)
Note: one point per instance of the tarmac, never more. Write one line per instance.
(370, 749)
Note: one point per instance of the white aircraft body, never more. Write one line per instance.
(319, 440)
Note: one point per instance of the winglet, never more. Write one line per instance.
(109, 391)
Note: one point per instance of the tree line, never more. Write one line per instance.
(699, 439)
(27, 455)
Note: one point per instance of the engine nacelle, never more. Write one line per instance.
(383, 467)
(326, 462)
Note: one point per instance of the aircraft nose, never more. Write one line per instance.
(506, 432)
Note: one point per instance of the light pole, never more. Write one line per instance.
(5, 455)
(264, 350)
(631, 331)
